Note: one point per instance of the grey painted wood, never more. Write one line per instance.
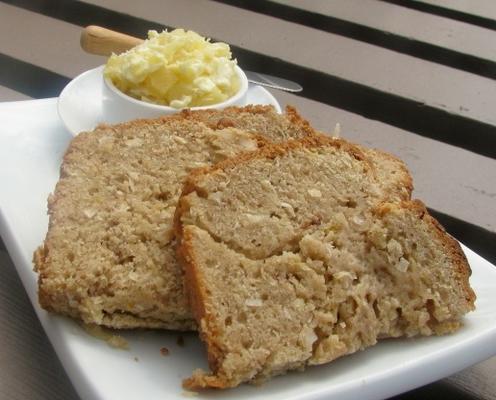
(482, 8)
(453, 35)
(29, 368)
(43, 41)
(477, 381)
(7, 94)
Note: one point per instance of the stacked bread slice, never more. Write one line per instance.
(305, 251)
(109, 255)
(297, 248)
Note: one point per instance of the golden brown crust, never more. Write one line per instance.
(197, 294)
(203, 116)
(230, 115)
(186, 258)
(453, 248)
(226, 118)
(199, 380)
(297, 119)
(405, 182)
(273, 151)
(39, 258)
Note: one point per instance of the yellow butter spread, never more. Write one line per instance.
(178, 69)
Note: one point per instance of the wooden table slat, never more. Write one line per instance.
(481, 8)
(7, 94)
(459, 36)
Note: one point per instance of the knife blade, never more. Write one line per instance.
(273, 81)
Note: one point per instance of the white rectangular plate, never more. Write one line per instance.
(32, 142)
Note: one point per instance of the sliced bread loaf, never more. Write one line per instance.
(108, 257)
(296, 255)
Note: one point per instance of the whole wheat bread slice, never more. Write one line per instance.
(296, 255)
(108, 257)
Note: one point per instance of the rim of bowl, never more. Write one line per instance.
(231, 100)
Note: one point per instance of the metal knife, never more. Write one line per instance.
(272, 81)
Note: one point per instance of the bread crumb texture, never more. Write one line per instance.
(310, 250)
(108, 257)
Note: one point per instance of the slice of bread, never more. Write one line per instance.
(109, 257)
(296, 255)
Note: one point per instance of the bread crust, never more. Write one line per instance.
(273, 151)
(404, 186)
(207, 116)
(197, 294)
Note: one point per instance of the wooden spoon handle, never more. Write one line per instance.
(104, 42)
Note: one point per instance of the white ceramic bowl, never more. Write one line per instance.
(119, 107)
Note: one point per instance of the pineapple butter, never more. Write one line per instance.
(179, 69)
